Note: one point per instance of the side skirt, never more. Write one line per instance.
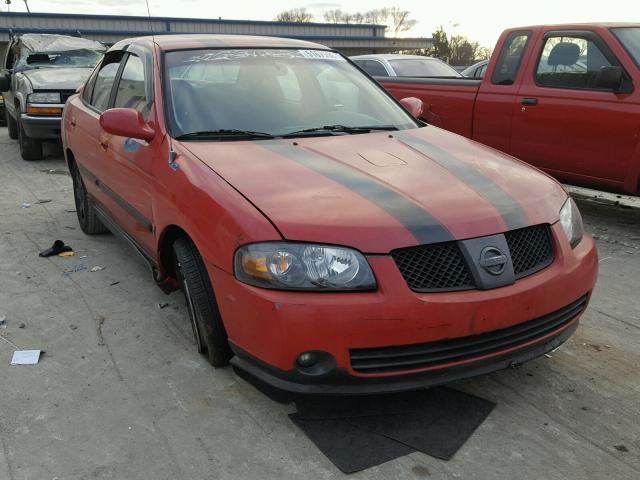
(166, 284)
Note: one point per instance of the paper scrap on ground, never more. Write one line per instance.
(97, 268)
(25, 357)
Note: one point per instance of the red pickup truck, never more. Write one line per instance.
(565, 98)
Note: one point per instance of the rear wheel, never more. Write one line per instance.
(12, 125)
(87, 218)
(206, 322)
(30, 148)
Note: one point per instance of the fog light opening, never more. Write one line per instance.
(307, 359)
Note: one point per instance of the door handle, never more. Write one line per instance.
(104, 146)
(529, 101)
(73, 122)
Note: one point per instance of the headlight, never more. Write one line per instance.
(44, 97)
(571, 222)
(300, 266)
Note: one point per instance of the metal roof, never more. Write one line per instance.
(349, 38)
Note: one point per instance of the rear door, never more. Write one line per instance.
(563, 122)
(493, 111)
(82, 126)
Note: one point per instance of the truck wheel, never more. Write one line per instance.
(87, 218)
(30, 148)
(208, 330)
(12, 126)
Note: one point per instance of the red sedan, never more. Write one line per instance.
(325, 240)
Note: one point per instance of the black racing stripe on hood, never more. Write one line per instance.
(422, 225)
(511, 211)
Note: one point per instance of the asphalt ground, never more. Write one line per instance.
(121, 392)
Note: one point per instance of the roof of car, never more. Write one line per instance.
(574, 26)
(190, 41)
(391, 56)
(49, 42)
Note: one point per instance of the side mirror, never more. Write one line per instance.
(5, 82)
(126, 122)
(609, 78)
(413, 105)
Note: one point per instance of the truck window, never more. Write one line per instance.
(510, 58)
(630, 39)
(570, 62)
(131, 92)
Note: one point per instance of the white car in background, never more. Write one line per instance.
(396, 65)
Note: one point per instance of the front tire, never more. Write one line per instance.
(30, 148)
(12, 125)
(87, 217)
(208, 329)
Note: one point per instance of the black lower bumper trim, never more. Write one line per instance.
(341, 383)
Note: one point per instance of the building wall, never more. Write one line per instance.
(349, 38)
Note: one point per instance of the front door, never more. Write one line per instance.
(128, 162)
(564, 123)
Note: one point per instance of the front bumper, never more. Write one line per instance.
(268, 329)
(45, 128)
(341, 383)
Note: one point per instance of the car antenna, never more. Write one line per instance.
(172, 152)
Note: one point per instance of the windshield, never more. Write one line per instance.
(630, 39)
(422, 67)
(70, 58)
(272, 91)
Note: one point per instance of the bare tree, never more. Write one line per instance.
(399, 20)
(294, 15)
(334, 16)
(395, 19)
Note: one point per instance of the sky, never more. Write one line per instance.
(480, 21)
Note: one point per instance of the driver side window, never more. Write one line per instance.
(131, 88)
(103, 83)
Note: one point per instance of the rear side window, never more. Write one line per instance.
(373, 68)
(422, 67)
(510, 58)
(131, 88)
(103, 83)
(570, 62)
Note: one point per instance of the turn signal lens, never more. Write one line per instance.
(31, 110)
(298, 266)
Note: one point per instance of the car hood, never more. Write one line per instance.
(57, 78)
(381, 191)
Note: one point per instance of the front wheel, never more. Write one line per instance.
(208, 329)
(30, 148)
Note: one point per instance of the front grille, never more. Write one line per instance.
(441, 267)
(428, 355)
(530, 248)
(434, 267)
(65, 94)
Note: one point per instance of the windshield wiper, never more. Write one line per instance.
(222, 133)
(341, 129)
